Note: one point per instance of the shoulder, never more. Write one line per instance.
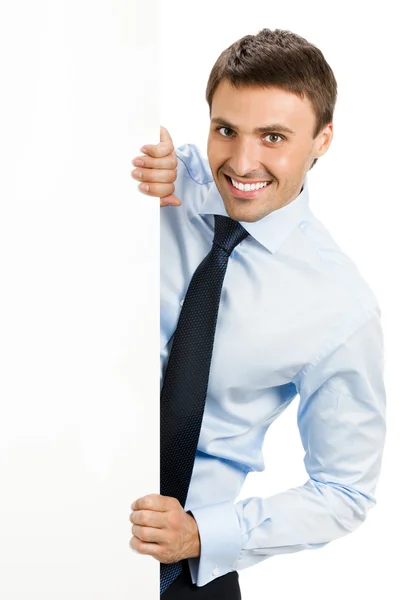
(193, 165)
(337, 264)
(193, 183)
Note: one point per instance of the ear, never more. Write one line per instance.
(323, 140)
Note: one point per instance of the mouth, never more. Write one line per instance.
(234, 191)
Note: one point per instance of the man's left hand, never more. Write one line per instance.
(163, 529)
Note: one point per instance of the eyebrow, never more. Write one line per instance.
(277, 127)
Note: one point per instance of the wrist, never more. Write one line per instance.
(196, 545)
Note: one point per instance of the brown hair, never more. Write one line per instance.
(283, 59)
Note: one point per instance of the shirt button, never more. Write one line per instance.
(215, 571)
(182, 302)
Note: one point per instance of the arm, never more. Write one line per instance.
(341, 420)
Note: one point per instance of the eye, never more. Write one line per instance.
(230, 132)
(276, 135)
(224, 128)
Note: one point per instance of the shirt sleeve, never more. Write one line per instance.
(342, 425)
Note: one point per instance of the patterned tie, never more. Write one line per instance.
(185, 383)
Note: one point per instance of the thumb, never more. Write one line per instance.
(164, 135)
(164, 148)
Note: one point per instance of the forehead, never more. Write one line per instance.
(250, 107)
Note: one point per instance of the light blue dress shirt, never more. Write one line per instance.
(296, 319)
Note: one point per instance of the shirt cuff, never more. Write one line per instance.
(220, 542)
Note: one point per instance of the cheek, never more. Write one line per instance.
(287, 163)
(283, 162)
(214, 154)
(282, 165)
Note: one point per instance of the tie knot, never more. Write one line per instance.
(228, 233)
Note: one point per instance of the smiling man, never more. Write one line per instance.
(259, 306)
(263, 137)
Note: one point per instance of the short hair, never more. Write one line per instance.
(282, 59)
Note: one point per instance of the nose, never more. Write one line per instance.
(245, 157)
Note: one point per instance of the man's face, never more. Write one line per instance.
(259, 134)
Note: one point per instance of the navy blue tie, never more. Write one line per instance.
(185, 382)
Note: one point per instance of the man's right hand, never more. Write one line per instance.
(158, 171)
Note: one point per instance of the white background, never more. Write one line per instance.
(85, 84)
(79, 256)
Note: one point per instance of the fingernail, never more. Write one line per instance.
(144, 149)
(138, 162)
(143, 187)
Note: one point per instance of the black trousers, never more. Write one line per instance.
(225, 587)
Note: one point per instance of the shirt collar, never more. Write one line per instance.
(274, 228)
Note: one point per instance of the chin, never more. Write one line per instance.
(244, 213)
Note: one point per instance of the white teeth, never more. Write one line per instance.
(247, 187)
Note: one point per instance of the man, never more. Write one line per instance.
(295, 318)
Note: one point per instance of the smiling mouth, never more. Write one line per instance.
(244, 193)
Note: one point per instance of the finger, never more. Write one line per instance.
(148, 518)
(166, 162)
(155, 502)
(158, 190)
(167, 200)
(148, 534)
(144, 547)
(170, 201)
(154, 175)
